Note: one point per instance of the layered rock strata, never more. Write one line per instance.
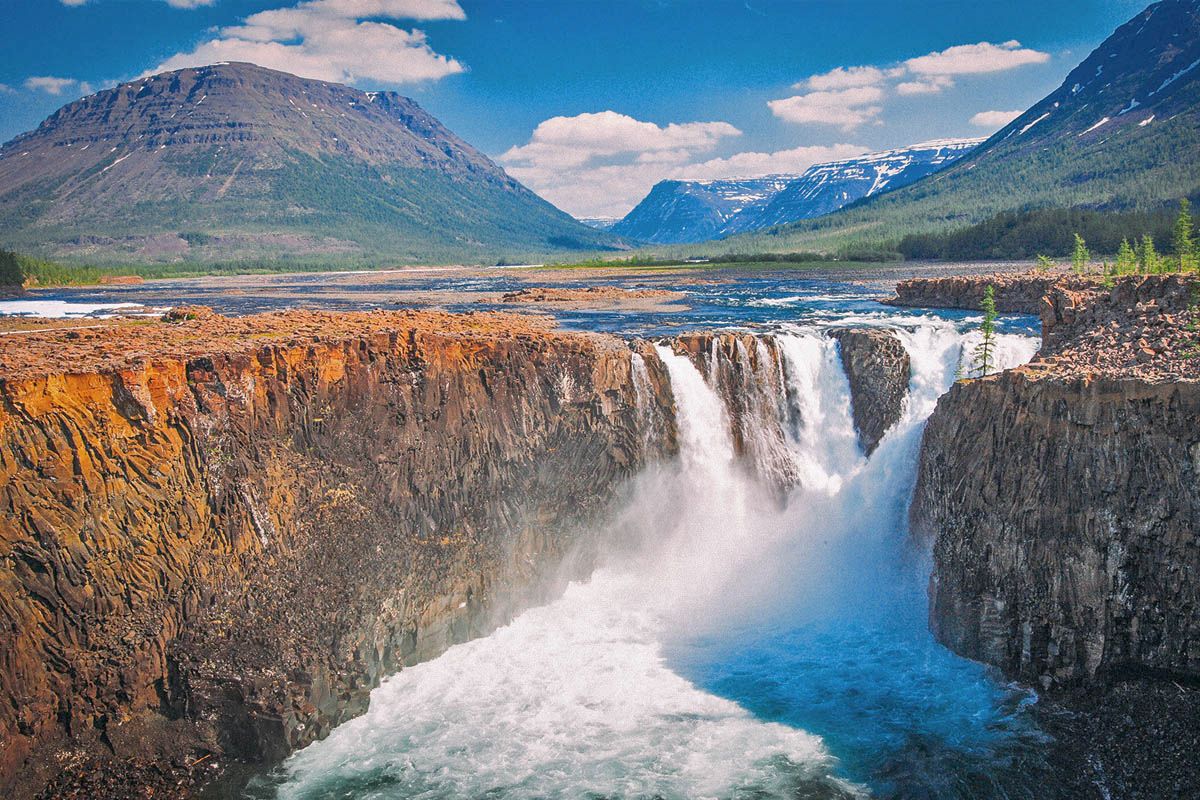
(219, 534)
(1063, 497)
(1015, 292)
(878, 369)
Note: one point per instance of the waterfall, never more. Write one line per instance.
(729, 638)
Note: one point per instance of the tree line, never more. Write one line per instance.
(1141, 256)
(1020, 235)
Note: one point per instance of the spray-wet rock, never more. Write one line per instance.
(879, 369)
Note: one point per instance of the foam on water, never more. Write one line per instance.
(57, 309)
(730, 646)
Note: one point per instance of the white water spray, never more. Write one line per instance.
(580, 697)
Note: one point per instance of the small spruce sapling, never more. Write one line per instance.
(1127, 260)
(1080, 257)
(1183, 238)
(1148, 259)
(985, 351)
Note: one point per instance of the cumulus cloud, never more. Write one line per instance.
(334, 40)
(849, 97)
(843, 78)
(930, 85)
(602, 164)
(844, 108)
(56, 86)
(994, 119)
(574, 141)
(974, 59)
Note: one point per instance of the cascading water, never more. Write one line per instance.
(730, 646)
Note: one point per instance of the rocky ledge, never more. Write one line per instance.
(1016, 292)
(217, 535)
(1062, 499)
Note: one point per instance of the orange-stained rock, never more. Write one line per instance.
(217, 535)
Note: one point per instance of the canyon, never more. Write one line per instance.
(222, 533)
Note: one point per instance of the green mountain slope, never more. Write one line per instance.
(1122, 132)
(234, 162)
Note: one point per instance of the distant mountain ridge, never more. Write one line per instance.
(1122, 132)
(692, 211)
(235, 161)
(677, 212)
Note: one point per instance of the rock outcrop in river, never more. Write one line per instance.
(219, 534)
(878, 368)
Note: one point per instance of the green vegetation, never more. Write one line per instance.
(1144, 259)
(1183, 238)
(985, 352)
(1081, 258)
(11, 273)
(334, 212)
(1045, 232)
(850, 257)
(1132, 170)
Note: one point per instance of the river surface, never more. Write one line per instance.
(730, 645)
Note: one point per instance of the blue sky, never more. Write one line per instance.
(592, 102)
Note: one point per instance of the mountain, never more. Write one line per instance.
(824, 188)
(692, 211)
(234, 161)
(1121, 133)
(599, 223)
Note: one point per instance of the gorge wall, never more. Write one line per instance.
(219, 534)
(1063, 497)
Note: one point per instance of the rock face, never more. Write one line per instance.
(1063, 498)
(878, 368)
(218, 535)
(1016, 293)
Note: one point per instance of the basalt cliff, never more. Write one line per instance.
(219, 534)
(1062, 500)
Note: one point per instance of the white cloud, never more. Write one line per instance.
(994, 119)
(753, 164)
(844, 108)
(578, 140)
(843, 78)
(50, 84)
(334, 40)
(602, 164)
(6, 89)
(974, 59)
(849, 97)
(929, 85)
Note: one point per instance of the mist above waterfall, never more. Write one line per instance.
(756, 627)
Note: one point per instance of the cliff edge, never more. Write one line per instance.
(218, 535)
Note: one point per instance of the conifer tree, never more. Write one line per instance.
(1080, 258)
(985, 351)
(1045, 263)
(1184, 238)
(1127, 260)
(1147, 256)
(11, 273)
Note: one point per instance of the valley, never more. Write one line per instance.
(338, 461)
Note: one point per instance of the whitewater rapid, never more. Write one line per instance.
(627, 685)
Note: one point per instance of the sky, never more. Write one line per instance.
(591, 102)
